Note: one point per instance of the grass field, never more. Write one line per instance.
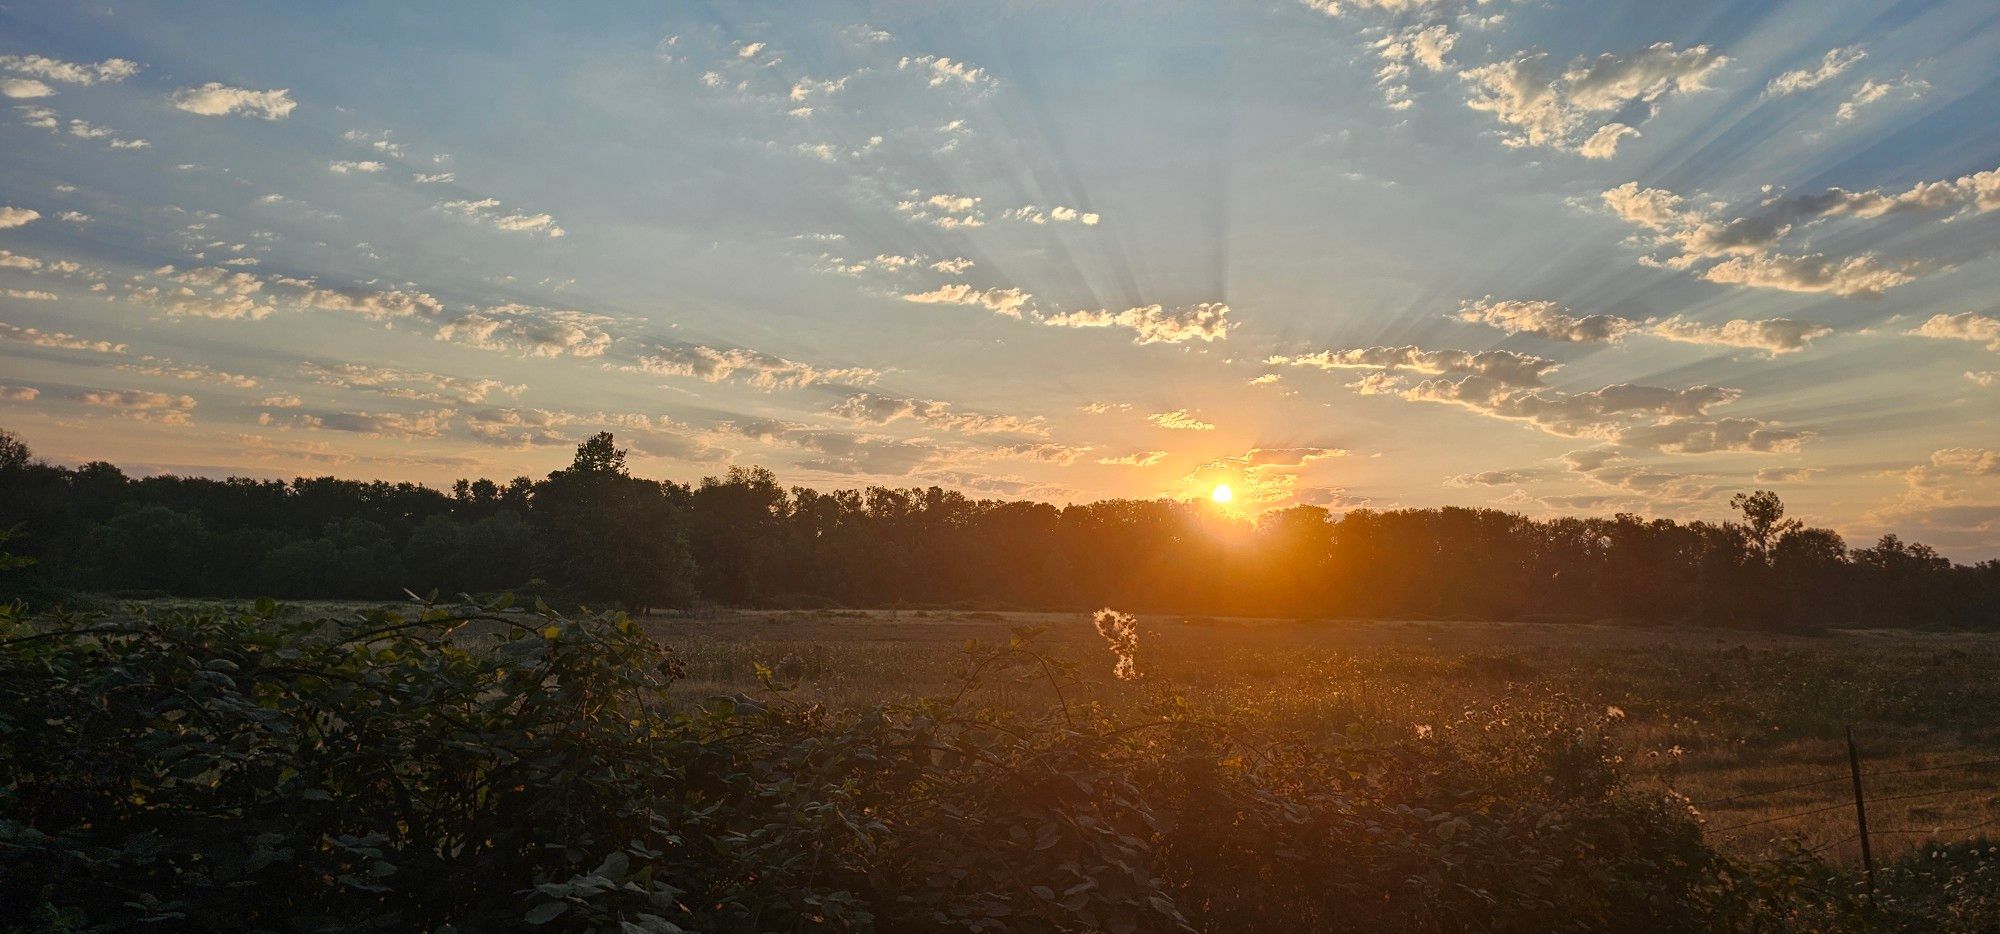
(1730, 719)
(1734, 720)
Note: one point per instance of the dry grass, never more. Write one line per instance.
(1723, 717)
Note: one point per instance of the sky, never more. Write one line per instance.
(1545, 256)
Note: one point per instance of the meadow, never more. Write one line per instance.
(1724, 717)
(305, 765)
(1735, 720)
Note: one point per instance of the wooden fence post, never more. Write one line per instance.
(1860, 814)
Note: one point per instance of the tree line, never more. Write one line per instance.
(592, 533)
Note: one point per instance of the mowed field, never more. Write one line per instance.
(1749, 726)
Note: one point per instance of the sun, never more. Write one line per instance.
(1222, 493)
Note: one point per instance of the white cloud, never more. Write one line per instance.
(1555, 111)
(1057, 214)
(24, 88)
(1772, 335)
(943, 71)
(487, 211)
(1871, 91)
(215, 99)
(763, 370)
(57, 339)
(943, 210)
(109, 71)
(15, 217)
(161, 407)
(877, 409)
(345, 167)
(1207, 321)
(1964, 326)
(1500, 367)
(1180, 420)
(1004, 302)
(19, 393)
(1687, 236)
(1864, 275)
(1830, 66)
(1546, 320)
(531, 331)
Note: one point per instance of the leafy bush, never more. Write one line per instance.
(485, 769)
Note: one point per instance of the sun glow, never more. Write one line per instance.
(1222, 493)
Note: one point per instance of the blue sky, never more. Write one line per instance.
(1546, 256)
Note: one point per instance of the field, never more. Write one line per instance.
(1731, 719)
(830, 767)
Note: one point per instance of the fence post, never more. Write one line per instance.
(1860, 814)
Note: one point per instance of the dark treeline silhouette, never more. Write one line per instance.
(591, 532)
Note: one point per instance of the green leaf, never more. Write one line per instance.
(546, 912)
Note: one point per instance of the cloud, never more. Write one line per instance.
(1705, 436)
(1984, 462)
(1057, 214)
(15, 217)
(764, 371)
(19, 393)
(374, 305)
(1864, 276)
(1687, 236)
(1004, 302)
(24, 88)
(1964, 326)
(1772, 335)
(1101, 408)
(531, 331)
(1786, 474)
(1207, 321)
(168, 369)
(1500, 367)
(943, 71)
(407, 426)
(952, 267)
(159, 407)
(56, 339)
(487, 211)
(210, 292)
(1872, 90)
(421, 386)
(1489, 478)
(845, 453)
(1546, 320)
(1135, 459)
(215, 99)
(943, 210)
(109, 71)
(364, 167)
(877, 409)
(1603, 144)
(1554, 111)
(1180, 420)
(32, 295)
(1601, 413)
(1830, 66)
